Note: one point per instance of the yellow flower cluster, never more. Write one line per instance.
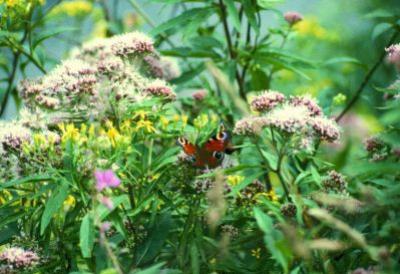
(73, 8)
(311, 27)
(21, 3)
(234, 180)
(270, 195)
(202, 120)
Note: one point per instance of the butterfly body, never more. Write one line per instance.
(209, 155)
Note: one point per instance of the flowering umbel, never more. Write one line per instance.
(16, 257)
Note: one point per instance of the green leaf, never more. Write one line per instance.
(155, 269)
(190, 52)
(29, 179)
(380, 29)
(250, 11)
(183, 20)
(233, 14)
(341, 59)
(189, 74)
(48, 34)
(266, 4)
(194, 256)
(263, 220)
(157, 236)
(86, 236)
(54, 203)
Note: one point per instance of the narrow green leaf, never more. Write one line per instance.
(250, 11)
(233, 14)
(183, 19)
(54, 203)
(86, 236)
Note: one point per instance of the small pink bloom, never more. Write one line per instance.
(394, 55)
(199, 95)
(106, 178)
(292, 17)
(107, 202)
(104, 227)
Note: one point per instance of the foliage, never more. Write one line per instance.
(92, 178)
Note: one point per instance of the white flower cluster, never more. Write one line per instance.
(297, 115)
(100, 73)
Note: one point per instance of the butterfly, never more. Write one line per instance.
(212, 153)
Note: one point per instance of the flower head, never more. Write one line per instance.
(292, 17)
(131, 43)
(394, 55)
(105, 179)
(308, 102)
(159, 88)
(326, 129)
(199, 95)
(334, 181)
(289, 118)
(267, 101)
(250, 125)
(289, 210)
(18, 257)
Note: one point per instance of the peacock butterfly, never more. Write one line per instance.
(210, 154)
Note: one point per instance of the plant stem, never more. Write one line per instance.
(367, 78)
(231, 51)
(269, 77)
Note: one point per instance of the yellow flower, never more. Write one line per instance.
(256, 253)
(176, 118)
(73, 8)
(201, 121)
(113, 135)
(141, 114)
(145, 124)
(39, 139)
(70, 201)
(69, 132)
(270, 195)
(234, 180)
(164, 121)
(184, 119)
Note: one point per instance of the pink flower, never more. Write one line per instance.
(292, 17)
(104, 227)
(308, 102)
(18, 257)
(106, 178)
(394, 55)
(267, 100)
(199, 95)
(107, 202)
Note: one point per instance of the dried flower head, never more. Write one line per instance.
(334, 182)
(289, 210)
(230, 230)
(267, 100)
(292, 17)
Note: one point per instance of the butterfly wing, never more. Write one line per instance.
(192, 152)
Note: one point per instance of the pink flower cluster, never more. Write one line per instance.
(267, 101)
(394, 55)
(308, 102)
(159, 88)
(106, 179)
(131, 43)
(292, 17)
(19, 258)
(300, 115)
(199, 95)
(162, 67)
